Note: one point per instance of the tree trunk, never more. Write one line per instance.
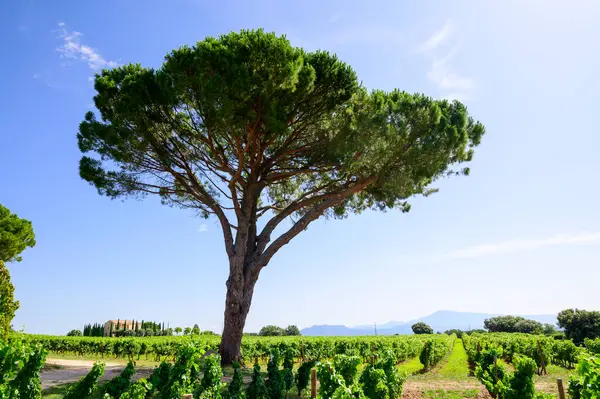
(240, 287)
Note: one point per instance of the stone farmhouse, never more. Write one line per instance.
(118, 325)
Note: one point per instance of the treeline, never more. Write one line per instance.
(517, 324)
(275, 331)
(575, 324)
(93, 330)
(126, 328)
(139, 329)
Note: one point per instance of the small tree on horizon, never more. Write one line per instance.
(291, 331)
(580, 324)
(267, 138)
(421, 328)
(178, 330)
(196, 330)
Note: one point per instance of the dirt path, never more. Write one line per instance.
(78, 363)
(62, 371)
(461, 389)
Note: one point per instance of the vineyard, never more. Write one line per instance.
(432, 347)
(507, 365)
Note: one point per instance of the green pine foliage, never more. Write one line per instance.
(289, 111)
(16, 235)
(93, 330)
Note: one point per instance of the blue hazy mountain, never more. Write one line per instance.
(441, 320)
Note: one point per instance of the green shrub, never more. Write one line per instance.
(256, 388)
(394, 380)
(586, 385)
(138, 390)
(329, 379)
(347, 367)
(210, 386)
(373, 382)
(27, 381)
(288, 369)
(86, 385)
(275, 384)
(121, 383)
(234, 390)
(160, 377)
(303, 375)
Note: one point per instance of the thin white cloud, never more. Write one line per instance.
(451, 84)
(438, 37)
(479, 251)
(74, 49)
(203, 228)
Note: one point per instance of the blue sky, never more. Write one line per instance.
(520, 235)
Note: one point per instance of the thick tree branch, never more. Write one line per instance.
(321, 204)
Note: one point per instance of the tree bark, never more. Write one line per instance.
(240, 288)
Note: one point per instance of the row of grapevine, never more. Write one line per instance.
(593, 345)
(202, 377)
(20, 367)
(504, 385)
(542, 349)
(484, 354)
(434, 350)
(253, 348)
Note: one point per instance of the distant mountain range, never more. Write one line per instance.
(441, 321)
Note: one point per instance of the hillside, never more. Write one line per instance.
(441, 320)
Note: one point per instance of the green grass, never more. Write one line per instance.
(442, 394)
(412, 366)
(56, 392)
(59, 391)
(456, 366)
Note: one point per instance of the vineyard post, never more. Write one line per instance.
(302, 350)
(188, 396)
(372, 360)
(561, 389)
(542, 360)
(313, 383)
